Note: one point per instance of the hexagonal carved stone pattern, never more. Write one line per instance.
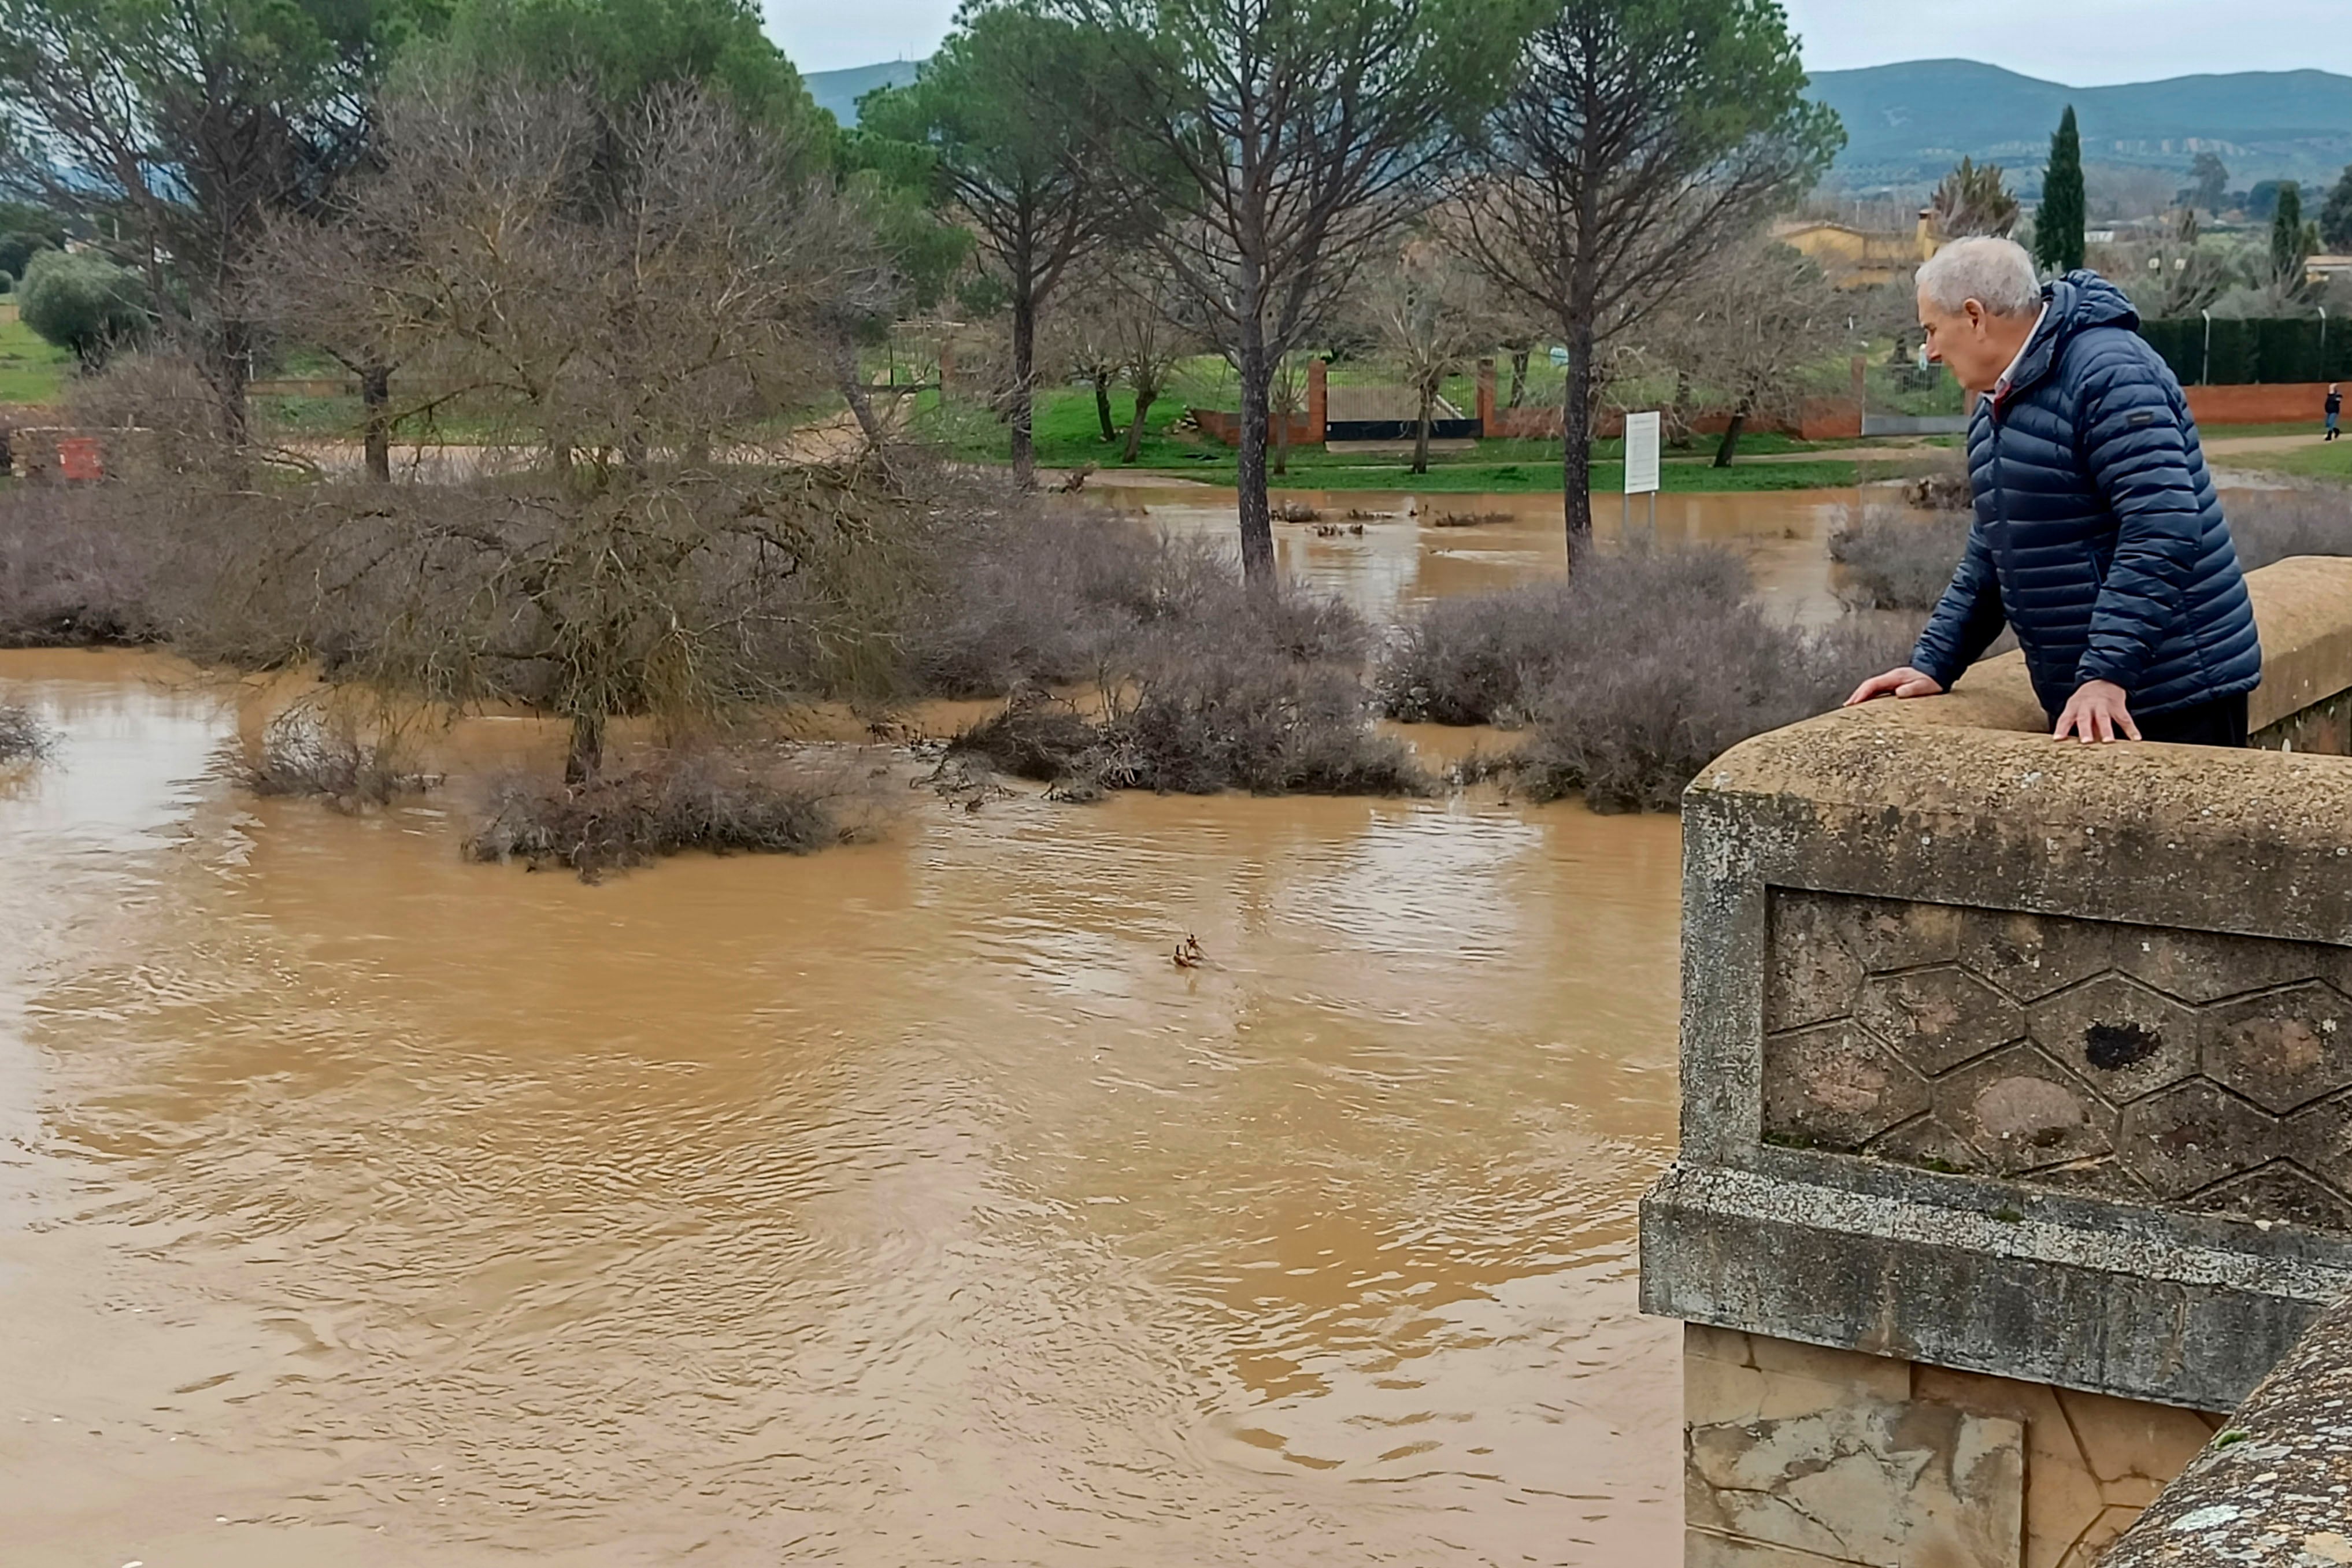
(2211, 1070)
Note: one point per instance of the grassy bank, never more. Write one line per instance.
(1069, 436)
(2329, 463)
(32, 369)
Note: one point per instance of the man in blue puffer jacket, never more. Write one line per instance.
(2098, 536)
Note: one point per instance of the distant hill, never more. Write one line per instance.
(1905, 124)
(840, 90)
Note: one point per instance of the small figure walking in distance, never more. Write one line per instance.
(2334, 408)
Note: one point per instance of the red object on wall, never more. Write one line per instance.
(77, 458)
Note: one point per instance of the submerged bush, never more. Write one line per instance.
(1895, 559)
(1634, 675)
(79, 565)
(309, 750)
(1220, 689)
(761, 802)
(22, 736)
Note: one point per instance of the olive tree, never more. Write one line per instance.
(81, 302)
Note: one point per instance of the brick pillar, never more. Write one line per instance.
(1487, 396)
(946, 368)
(1319, 401)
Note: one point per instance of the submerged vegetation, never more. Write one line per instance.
(22, 736)
(1629, 678)
(718, 800)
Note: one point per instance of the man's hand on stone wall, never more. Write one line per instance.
(2097, 711)
(1906, 682)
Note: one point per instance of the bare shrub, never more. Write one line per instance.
(722, 801)
(1027, 595)
(1476, 659)
(23, 738)
(314, 749)
(2271, 524)
(1649, 699)
(1217, 688)
(79, 565)
(1895, 559)
(1633, 674)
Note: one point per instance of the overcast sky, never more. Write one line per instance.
(2083, 43)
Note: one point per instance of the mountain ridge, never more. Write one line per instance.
(1907, 122)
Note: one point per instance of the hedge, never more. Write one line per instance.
(2242, 353)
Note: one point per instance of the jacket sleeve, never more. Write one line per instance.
(1966, 620)
(2137, 455)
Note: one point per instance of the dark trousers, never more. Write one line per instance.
(2221, 722)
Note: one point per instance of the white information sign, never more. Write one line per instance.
(1642, 454)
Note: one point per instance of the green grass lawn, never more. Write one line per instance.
(2331, 463)
(31, 370)
(1068, 435)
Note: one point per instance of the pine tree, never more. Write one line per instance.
(2058, 227)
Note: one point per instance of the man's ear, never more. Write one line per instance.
(1975, 311)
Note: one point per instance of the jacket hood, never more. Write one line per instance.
(2076, 303)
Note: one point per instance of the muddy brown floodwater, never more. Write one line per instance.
(901, 1204)
(1485, 542)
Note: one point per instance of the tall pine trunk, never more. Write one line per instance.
(1576, 439)
(1249, 478)
(1025, 367)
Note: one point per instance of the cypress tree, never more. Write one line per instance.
(2288, 244)
(2058, 227)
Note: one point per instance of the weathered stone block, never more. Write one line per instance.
(1837, 1085)
(2030, 956)
(2123, 1037)
(2193, 1136)
(1813, 975)
(2021, 1110)
(2284, 1049)
(2279, 1193)
(2206, 966)
(1878, 1482)
(1937, 1018)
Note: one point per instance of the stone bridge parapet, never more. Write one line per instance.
(2017, 1127)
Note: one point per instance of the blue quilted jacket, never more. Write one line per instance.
(2098, 536)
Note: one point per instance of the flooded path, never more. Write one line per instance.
(901, 1204)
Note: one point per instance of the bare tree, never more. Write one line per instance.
(1296, 133)
(621, 301)
(1433, 318)
(1752, 333)
(1644, 138)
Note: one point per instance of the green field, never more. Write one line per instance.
(31, 370)
(2331, 463)
(1068, 435)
